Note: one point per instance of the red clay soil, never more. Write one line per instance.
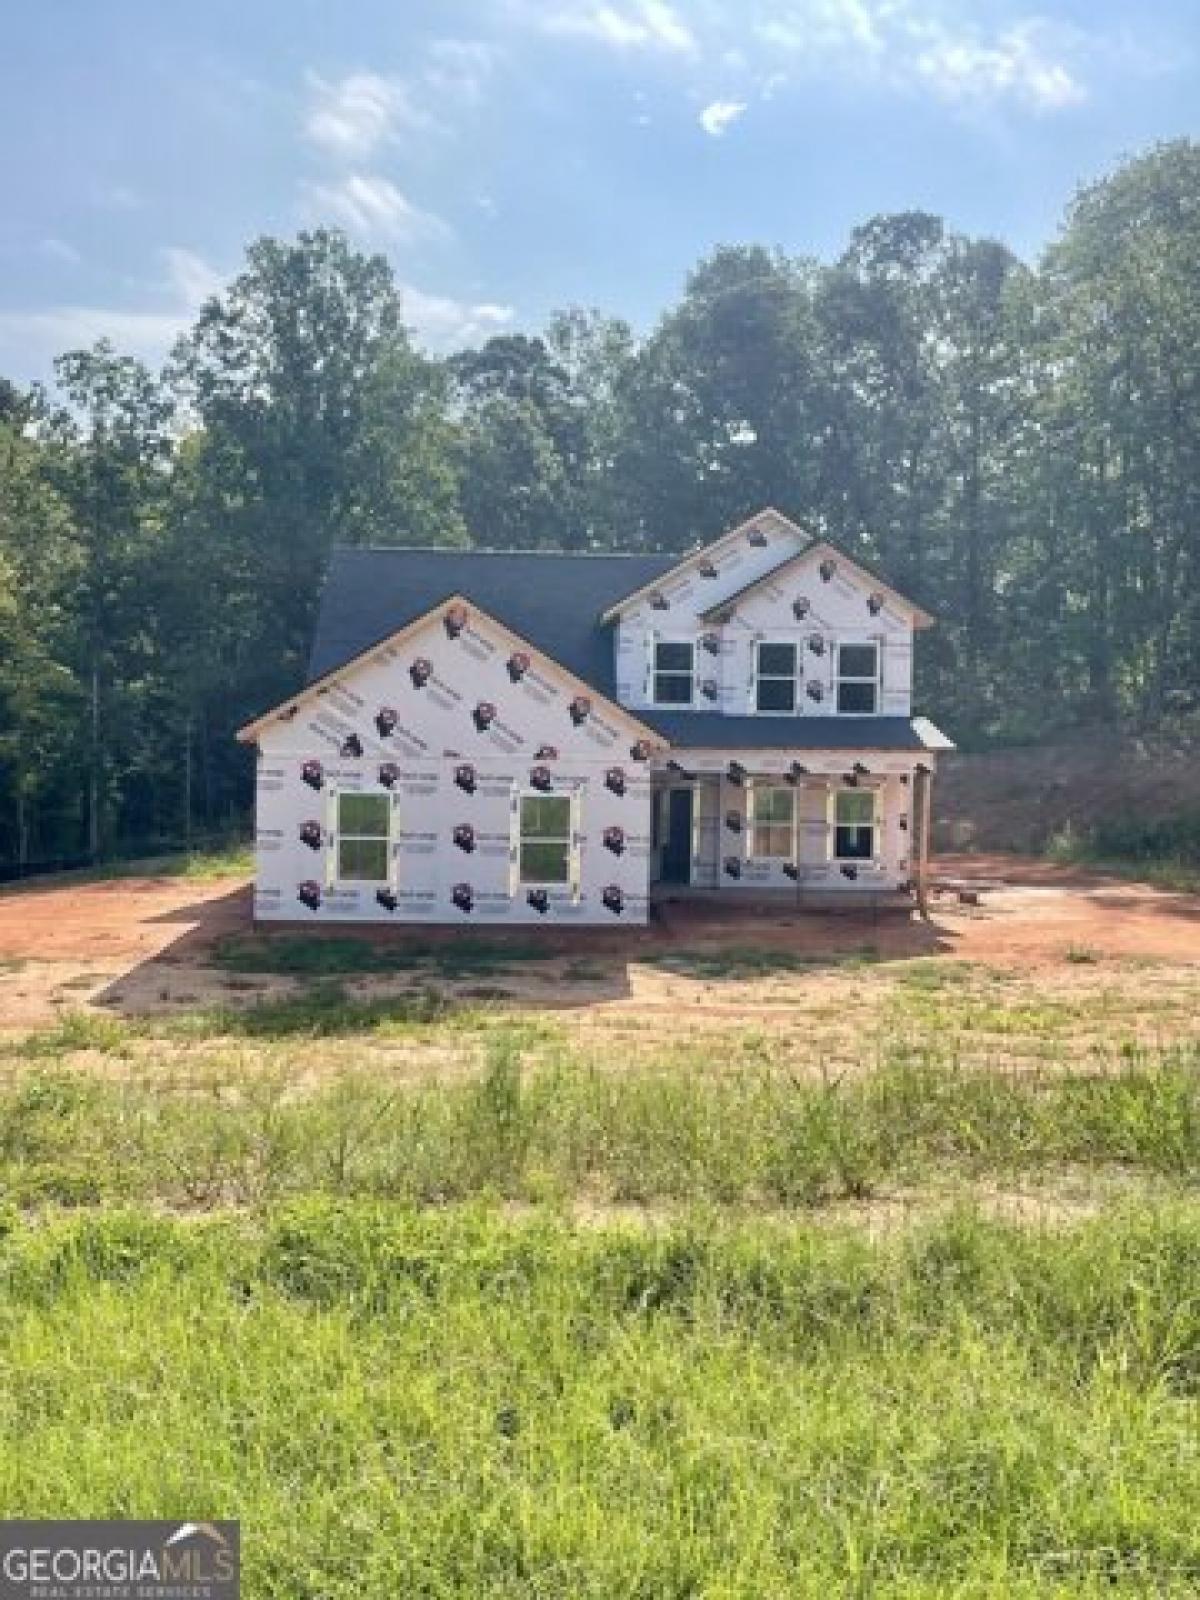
(121, 919)
(1028, 910)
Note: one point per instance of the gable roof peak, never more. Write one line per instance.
(319, 684)
(767, 520)
(826, 547)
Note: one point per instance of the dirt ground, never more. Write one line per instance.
(1048, 962)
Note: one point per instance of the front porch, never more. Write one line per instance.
(774, 828)
(753, 905)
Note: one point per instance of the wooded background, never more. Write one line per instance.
(1016, 447)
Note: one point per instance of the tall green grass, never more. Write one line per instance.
(302, 956)
(571, 1127)
(354, 1313)
(448, 1404)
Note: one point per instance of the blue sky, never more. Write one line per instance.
(511, 156)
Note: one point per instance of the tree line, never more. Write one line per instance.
(1015, 446)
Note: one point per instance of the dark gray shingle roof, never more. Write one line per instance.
(553, 600)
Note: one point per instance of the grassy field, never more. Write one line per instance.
(463, 1404)
(567, 1132)
(551, 1324)
(233, 858)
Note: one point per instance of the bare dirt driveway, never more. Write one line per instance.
(65, 946)
(1084, 954)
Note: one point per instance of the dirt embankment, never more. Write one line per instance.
(1021, 800)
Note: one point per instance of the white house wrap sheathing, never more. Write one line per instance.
(453, 722)
(813, 601)
(723, 854)
(458, 728)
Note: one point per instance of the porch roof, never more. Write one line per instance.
(712, 730)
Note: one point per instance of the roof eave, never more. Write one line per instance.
(931, 736)
(286, 709)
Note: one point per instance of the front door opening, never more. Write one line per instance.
(677, 844)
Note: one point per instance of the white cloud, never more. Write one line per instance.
(633, 25)
(940, 47)
(442, 323)
(372, 207)
(721, 114)
(927, 45)
(29, 340)
(192, 279)
(458, 69)
(351, 117)
(116, 197)
(816, 27)
(1015, 65)
(60, 250)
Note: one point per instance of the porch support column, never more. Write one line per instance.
(923, 796)
(814, 838)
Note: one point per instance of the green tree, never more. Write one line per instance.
(314, 423)
(879, 319)
(723, 407)
(537, 428)
(39, 693)
(301, 377)
(514, 488)
(107, 455)
(1122, 301)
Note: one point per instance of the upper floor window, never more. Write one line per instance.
(674, 672)
(858, 678)
(775, 679)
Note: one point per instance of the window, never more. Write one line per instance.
(545, 838)
(674, 672)
(774, 832)
(857, 678)
(776, 677)
(363, 837)
(854, 825)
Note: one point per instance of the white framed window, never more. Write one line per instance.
(673, 679)
(544, 842)
(773, 823)
(858, 678)
(775, 676)
(363, 830)
(855, 825)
